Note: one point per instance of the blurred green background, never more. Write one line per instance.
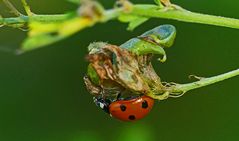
(43, 97)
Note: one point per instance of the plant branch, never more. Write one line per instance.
(27, 8)
(184, 15)
(38, 18)
(143, 10)
(182, 88)
(150, 11)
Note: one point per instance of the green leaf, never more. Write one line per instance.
(127, 18)
(134, 21)
(42, 34)
(39, 41)
(94, 77)
(158, 2)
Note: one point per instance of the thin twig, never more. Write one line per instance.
(181, 14)
(12, 8)
(37, 18)
(27, 8)
(182, 88)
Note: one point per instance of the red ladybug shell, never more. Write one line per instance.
(131, 110)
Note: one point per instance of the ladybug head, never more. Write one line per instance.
(103, 103)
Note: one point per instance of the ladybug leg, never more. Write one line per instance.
(118, 96)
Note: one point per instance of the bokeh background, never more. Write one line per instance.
(43, 98)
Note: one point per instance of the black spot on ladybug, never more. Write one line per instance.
(131, 117)
(122, 108)
(145, 104)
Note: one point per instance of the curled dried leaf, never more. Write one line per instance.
(121, 70)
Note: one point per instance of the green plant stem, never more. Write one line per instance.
(108, 15)
(27, 8)
(184, 15)
(38, 18)
(150, 11)
(182, 88)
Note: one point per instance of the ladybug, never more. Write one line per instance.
(127, 109)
